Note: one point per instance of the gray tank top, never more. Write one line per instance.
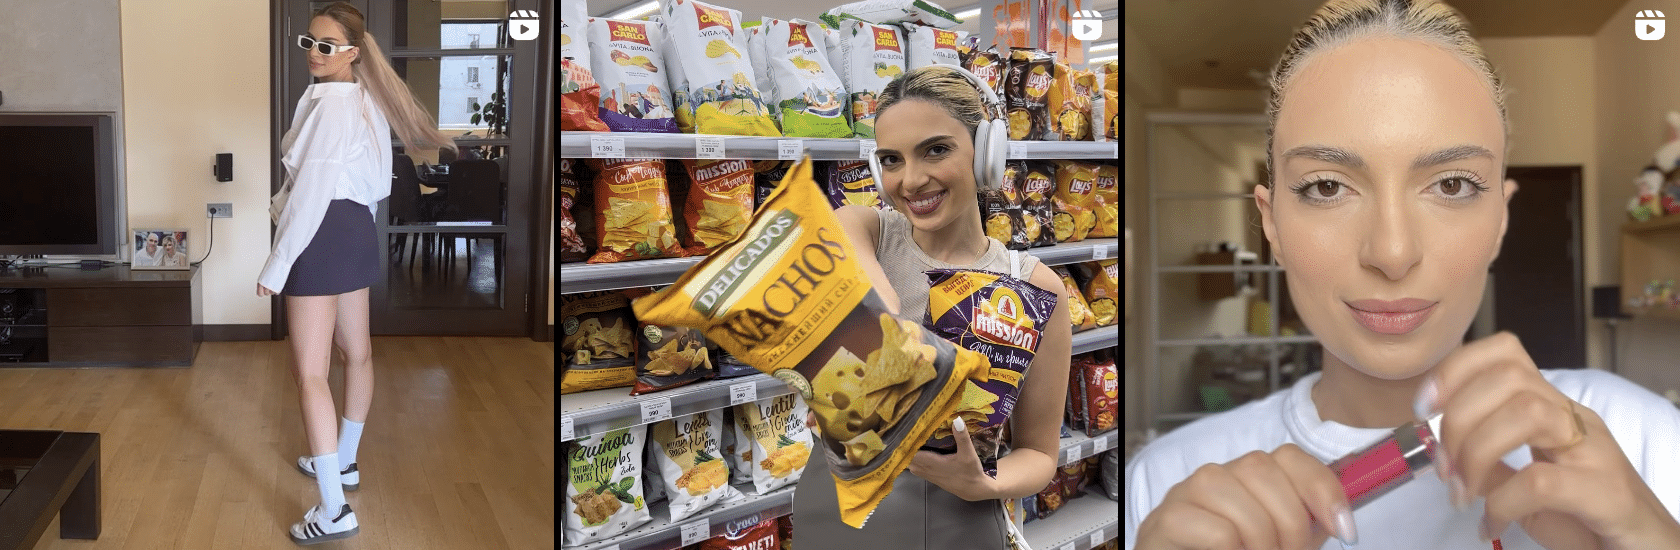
(904, 263)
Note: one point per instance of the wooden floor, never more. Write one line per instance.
(457, 453)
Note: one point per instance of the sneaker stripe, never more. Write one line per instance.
(345, 511)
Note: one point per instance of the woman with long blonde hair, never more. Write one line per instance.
(337, 155)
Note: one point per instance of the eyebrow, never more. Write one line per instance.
(331, 39)
(1344, 157)
(924, 143)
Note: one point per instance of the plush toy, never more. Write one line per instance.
(1671, 194)
(1654, 200)
(1648, 203)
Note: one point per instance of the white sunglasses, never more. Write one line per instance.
(326, 48)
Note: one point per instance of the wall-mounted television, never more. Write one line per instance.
(58, 184)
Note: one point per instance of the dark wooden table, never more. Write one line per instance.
(62, 480)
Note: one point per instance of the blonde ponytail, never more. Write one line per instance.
(411, 121)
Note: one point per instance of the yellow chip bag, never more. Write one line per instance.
(789, 298)
(596, 343)
(1105, 202)
(1102, 289)
(632, 211)
(720, 198)
(1079, 311)
(1075, 182)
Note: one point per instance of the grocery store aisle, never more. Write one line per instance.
(458, 451)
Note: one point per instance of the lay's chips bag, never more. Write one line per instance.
(788, 298)
(1002, 317)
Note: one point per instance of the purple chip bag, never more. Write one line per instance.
(1001, 317)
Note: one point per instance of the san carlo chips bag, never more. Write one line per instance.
(926, 45)
(1026, 87)
(1075, 183)
(603, 485)
(710, 45)
(772, 441)
(848, 182)
(871, 55)
(1002, 317)
(1038, 188)
(627, 58)
(720, 199)
(1105, 201)
(688, 450)
(1079, 312)
(789, 299)
(1102, 289)
(808, 96)
(596, 342)
(579, 94)
(632, 211)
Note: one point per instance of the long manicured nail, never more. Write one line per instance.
(1345, 532)
(1427, 395)
(1460, 496)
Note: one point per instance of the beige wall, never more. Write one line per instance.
(181, 109)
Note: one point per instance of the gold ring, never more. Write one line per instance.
(1580, 429)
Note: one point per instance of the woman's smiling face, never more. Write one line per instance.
(927, 163)
(1389, 158)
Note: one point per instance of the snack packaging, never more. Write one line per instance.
(753, 533)
(1110, 477)
(1049, 499)
(1099, 393)
(632, 211)
(848, 182)
(766, 175)
(924, 45)
(626, 58)
(807, 94)
(1105, 201)
(788, 298)
(1073, 109)
(1026, 93)
(729, 366)
(871, 56)
(1029, 508)
(989, 65)
(580, 98)
(682, 110)
(713, 51)
(1075, 183)
(892, 11)
(1079, 312)
(772, 441)
(732, 450)
(595, 338)
(1003, 318)
(1102, 289)
(1038, 190)
(604, 485)
(759, 54)
(668, 357)
(785, 527)
(689, 458)
(719, 201)
(574, 34)
(1073, 477)
(572, 247)
(1002, 216)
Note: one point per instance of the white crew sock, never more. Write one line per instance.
(327, 478)
(349, 436)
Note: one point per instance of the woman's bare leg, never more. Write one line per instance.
(352, 337)
(311, 320)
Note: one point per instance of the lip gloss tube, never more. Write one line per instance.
(1383, 466)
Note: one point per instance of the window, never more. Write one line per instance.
(474, 37)
(472, 74)
(471, 101)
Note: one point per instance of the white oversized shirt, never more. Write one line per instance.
(1418, 514)
(338, 147)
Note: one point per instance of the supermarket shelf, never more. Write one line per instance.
(1079, 447)
(660, 534)
(670, 146)
(601, 411)
(582, 277)
(1097, 338)
(1072, 526)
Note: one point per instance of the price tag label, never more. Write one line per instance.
(1068, 546)
(1096, 538)
(603, 147)
(708, 147)
(789, 149)
(1099, 252)
(866, 147)
(566, 428)
(1070, 454)
(696, 532)
(745, 392)
(1099, 445)
(654, 410)
(611, 547)
(1017, 150)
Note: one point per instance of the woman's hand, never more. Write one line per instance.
(958, 473)
(1259, 500)
(263, 291)
(1580, 491)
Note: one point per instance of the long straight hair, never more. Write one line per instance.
(410, 120)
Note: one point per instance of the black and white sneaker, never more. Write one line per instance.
(318, 527)
(350, 478)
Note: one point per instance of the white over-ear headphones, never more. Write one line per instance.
(991, 138)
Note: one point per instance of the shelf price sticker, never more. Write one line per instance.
(1017, 150)
(745, 392)
(866, 147)
(604, 147)
(1096, 538)
(696, 532)
(1068, 546)
(1070, 454)
(1099, 444)
(654, 410)
(566, 428)
(789, 149)
(708, 147)
(1099, 252)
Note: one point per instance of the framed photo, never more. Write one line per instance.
(160, 248)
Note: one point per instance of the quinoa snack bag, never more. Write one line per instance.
(710, 45)
(632, 211)
(772, 441)
(1075, 184)
(808, 97)
(1002, 317)
(595, 339)
(788, 298)
(871, 55)
(720, 199)
(1105, 201)
(926, 45)
(604, 485)
(688, 452)
(1038, 190)
(626, 57)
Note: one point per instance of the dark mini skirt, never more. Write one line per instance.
(343, 256)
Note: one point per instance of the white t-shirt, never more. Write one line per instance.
(1417, 514)
(338, 147)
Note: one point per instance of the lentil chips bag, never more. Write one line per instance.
(633, 211)
(789, 299)
(604, 485)
(773, 441)
(688, 452)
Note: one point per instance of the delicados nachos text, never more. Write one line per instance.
(788, 298)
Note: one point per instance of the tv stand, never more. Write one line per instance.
(66, 316)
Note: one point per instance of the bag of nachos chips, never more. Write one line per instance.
(595, 338)
(720, 199)
(788, 298)
(632, 211)
(604, 485)
(688, 452)
(773, 441)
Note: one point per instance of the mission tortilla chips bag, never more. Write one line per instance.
(1073, 218)
(632, 211)
(1105, 201)
(708, 41)
(604, 485)
(1002, 317)
(772, 441)
(788, 298)
(688, 452)
(595, 339)
(720, 199)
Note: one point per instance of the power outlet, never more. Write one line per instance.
(219, 210)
